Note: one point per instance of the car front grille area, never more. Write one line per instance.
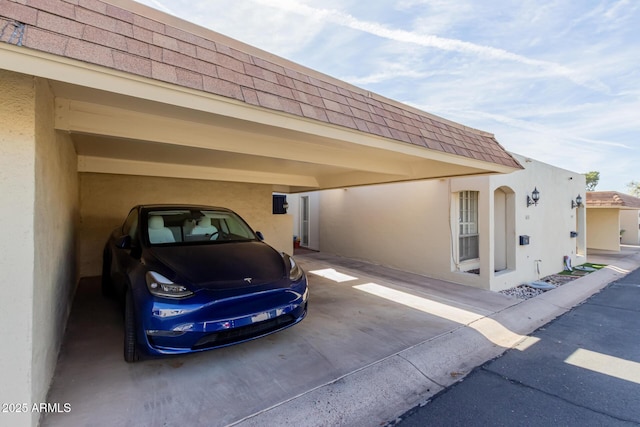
(244, 333)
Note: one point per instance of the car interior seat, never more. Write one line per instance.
(158, 233)
(204, 226)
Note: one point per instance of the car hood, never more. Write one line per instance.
(225, 265)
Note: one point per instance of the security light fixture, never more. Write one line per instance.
(577, 203)
(533, 199)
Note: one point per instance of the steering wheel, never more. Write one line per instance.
(214, 235)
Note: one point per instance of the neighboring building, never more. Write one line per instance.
(612, 218)
(107, 104)
(480, 231)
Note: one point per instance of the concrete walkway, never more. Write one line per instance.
(376, 343)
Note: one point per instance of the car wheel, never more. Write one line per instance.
(130, 345)
(106, 285)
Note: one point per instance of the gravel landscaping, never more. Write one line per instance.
(526, 291)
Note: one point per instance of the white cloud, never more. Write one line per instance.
(433, 41)
(264, 26)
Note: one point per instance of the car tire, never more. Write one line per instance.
(130, 345)
(106, 285)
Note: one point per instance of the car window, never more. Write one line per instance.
(231, 224)
(187, 226)
(130, 226)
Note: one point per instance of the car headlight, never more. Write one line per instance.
(160, 286)
(295, 272)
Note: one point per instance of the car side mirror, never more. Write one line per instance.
(260, 235)
(124, 242)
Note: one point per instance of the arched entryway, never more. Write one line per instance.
(504, 243)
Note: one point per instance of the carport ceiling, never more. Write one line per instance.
(120, 134)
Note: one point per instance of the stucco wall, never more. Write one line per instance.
(412, 226)
(55, 223)
(405, 226)
(603, 228)
(629, 221)
(549, 224)
(106, 199)
(17, 189)
(38, 183)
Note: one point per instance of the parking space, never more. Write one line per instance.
(358, 315)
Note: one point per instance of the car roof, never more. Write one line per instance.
(181, 206)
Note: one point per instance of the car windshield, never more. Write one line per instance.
(186, 226)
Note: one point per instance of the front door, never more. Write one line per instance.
(304, 221)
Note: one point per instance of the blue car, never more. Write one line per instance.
(193, 278)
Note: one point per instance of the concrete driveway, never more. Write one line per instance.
(375, 343)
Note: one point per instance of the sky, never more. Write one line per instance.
(557, 81)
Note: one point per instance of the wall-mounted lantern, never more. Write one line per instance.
(533, 199)
(577, 203)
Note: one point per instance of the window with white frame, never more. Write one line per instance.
(468, 247)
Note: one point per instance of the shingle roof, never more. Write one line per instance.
(612, 199)
(103, 34)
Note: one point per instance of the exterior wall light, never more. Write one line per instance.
(576, 203)
(533, 199)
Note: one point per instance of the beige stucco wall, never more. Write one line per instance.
(55, 224)
(629, 222)
(603, 228)
(412, 226)
(106, 199)
(404, 226)
(37, 220)
(17, 253)
(548, 224)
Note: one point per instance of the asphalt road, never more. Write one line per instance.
(582, 369)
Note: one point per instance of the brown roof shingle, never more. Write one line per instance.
(612, 199)
(102, 33)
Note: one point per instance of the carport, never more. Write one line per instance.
(106, 104)
(361, 317)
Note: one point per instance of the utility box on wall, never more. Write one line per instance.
(524, 240)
